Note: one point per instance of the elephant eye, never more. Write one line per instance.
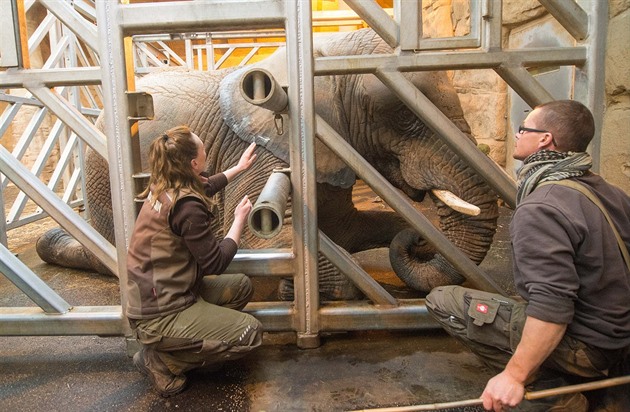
(404, 121)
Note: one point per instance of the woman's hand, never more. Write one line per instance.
(244, 163)
(242, 209)
(247, 158)
(241, 213)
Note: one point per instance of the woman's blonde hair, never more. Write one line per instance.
(170, 158)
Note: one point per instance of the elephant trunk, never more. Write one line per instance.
(419, 264)
(57, 247)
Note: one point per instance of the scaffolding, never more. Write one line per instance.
(86, 55)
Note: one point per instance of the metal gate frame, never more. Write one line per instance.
(481, 49)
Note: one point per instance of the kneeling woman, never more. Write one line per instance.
(184, 314)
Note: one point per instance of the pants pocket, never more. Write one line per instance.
(488, 321)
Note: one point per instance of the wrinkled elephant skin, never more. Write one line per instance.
(367, 115)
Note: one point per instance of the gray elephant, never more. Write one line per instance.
(367, 115)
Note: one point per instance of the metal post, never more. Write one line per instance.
(116, 110)
(301, 110)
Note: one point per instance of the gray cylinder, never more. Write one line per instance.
(258, 87)
(267, 215)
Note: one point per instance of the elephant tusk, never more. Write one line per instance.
(456, 203)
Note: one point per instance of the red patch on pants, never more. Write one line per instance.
(482, 308)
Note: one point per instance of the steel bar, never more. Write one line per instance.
(58, 210)
(523, 83)
(302, 163)
(496, 177)
(27, 101)
(79, 76)
(451, 60)
(570, 15)
(118, 130)
(203, 15)
(71, 116)
(589, 84)
(377, 19)
(263, 262)
(399, 203)
(8, 115)
(40, 33)
(80, 320)
(492, 24)
(83, 29)
(409, 314)
(40, 162)
(29, 283)
(408, 14)
(341, 259)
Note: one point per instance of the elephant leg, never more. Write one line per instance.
(333, 285)
(352, 229)
(57, 247)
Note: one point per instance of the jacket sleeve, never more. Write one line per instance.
(213, 184)
(190, 219)
(544, 245)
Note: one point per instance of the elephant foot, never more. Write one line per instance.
(57, 247)
(343, 290)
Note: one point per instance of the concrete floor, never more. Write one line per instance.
(349, 371)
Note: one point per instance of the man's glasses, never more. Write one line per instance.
(522, 130)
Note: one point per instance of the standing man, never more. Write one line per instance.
(572, 317)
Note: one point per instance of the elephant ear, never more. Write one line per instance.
(255, 124)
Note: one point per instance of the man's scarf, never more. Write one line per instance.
(548, 165)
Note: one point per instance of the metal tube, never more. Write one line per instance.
(259, 87)
(399, 203)
(267, 215)
(80, 320)
(410, 314)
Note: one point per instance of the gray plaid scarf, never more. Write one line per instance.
(548, 165)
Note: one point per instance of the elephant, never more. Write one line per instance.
(363, 112)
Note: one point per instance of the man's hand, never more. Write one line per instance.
(502, 391)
